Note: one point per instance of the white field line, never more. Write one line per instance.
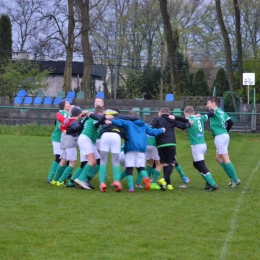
(234, 218)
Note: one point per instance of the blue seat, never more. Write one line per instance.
(71, 94)
(27, 101)
(21, 93)
(69, 99)
(57, 100)
(169, 97)
(37, 101)
(18, 100)
(47, 101)
(100, 95)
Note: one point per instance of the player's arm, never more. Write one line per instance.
(154, 131)
(182, 119)
(229, 124)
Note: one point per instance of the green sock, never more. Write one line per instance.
(59, 171)
(180, 171)
(149, 170)
(130, 181)
(122, 175)
(53, 169)
(224, 166)
(144, 174)
(66, 173)
(116, 173)
(156, 175)
(138, 178)
(86, 170)
(209, 179)
(232, 172)
(102, 173)
(93, 172)
(76, 174)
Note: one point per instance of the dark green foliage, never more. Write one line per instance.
(5, 38)
(200, 84)
(184, 79)
(220, 82)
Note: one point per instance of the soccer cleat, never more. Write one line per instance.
(147, 183)
(155, 186)
(139, 186)
(207, 186)
(235, 184)
(48, 181)
(170, 187)
(60, 184)
(83, 184)
(162, 183)
(90, 186)
(53, 182)
(230, 183)
(131, 190)
(185, 179)
(118, 186)
(211, 189)
(103, 187)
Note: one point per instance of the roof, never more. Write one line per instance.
(57, 68)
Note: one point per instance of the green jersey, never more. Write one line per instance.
(196, 131)
(90, 130)
(56, 134)
(218, 122)
(150, 140)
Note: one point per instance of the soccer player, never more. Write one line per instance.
(166, 143)
(198, 146)
(220, 124)
(55, 138)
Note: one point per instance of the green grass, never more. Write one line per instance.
(41, 221)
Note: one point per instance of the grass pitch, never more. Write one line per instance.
(41, 221)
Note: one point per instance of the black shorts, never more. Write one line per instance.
(167, 154)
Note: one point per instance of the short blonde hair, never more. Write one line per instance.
(189, 110)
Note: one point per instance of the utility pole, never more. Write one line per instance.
(116, 52)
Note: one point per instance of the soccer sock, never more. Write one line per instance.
(144, 174)
(83, 176)
(122, 175)
(156, 175)
(232, 172)
(180, 171)
(138, 178)
(224, 166)
(149, 170)
(209, 179)
(59, 171)
(76, 173)
(53, 169)
(102, 173)
(167, 170)
(66, 173)
(93, 172)
(130, 181)
(116, 173)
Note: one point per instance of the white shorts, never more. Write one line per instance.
(135, 159)
(152, 153)
(69, 154)
(122, 158)
(97, 144)
(221, 143)
(56, 148)
(110, 142)
(198, 152)
(86, 146)
(83, 157)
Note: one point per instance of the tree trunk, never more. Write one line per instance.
(69, 48)
(239, 43)
(86, 50)
(228, 52)
(171, 46)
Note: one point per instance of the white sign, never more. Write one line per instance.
(248, 79)
(99, 85)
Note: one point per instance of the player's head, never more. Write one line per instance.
(164, 111)
(132, 113)
(64, 105)
(99, 102)
(76, 112)
(212, 102)
(99, 110)
(188, 111)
